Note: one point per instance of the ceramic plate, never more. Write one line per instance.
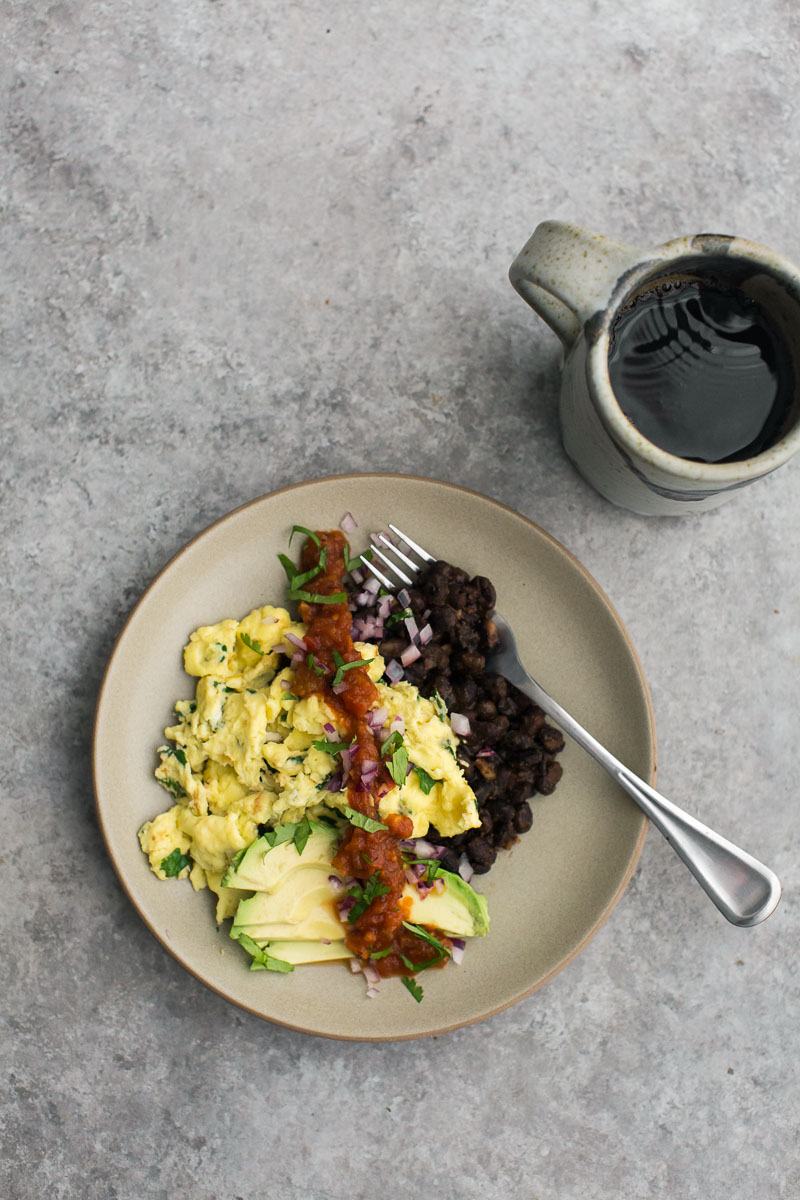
(547, 896)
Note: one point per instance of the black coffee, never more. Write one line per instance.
(700, 368)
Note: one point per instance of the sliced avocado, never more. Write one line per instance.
(306, 952)
(261, 866)
(458, 910)
(303, 909)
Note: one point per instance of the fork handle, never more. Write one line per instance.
(743, 889)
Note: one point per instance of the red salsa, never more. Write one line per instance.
(372, 858)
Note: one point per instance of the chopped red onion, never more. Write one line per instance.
(371, 973)
(335, 883)
(410, 874)
(372, 585)
(384, 607)
(438, 886)
(425, 634)
(460, 724)
(372, 991)
(410, 655)
(344, 907)
(348, 523)
(404, 598)
(424, 889)
(330, 728)
(297, 659)
(335, 783)
(411, 627)
(364, 599)
(394, 672)
(465, 868)
(347, 761)
(338, 688)
(457, 951)
(486, 752)
(423, 849)
(377, 717)
(397, 725)
(357, 575)
(355, 966)
(286, 683)
(296, 641)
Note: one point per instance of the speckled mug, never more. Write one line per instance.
(577, 281)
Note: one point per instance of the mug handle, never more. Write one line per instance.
(567, 274)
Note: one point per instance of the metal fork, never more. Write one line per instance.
(743, 889)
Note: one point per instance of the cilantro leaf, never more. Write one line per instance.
(440, 706)
(262, 961)
(357, 818)
(174, 863)
(393, 742)
(251, 643)
(426, 781)
(364, 896)
(376, 954)
(412, 986)
(420, 932)
(350, 564)
(173, 786)
(402, 615)
(313, 665)
(398, 767)
(342, 666)
(288, 566)
(331, 747)
(315, 598)
(176, 752)
(279, 835)
(308, 533)
(301, 835)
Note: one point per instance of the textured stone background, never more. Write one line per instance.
(248, 243)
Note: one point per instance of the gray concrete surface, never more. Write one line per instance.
(247, 243)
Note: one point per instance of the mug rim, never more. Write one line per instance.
(619, 426)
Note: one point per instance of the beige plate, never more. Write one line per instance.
(547, 896)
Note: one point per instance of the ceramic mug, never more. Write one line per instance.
(577, 282)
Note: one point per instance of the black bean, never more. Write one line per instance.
(523, 818)
(551, 738)
(481, 854)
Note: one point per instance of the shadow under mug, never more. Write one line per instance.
(577, 282)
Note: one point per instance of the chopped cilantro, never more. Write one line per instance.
(313, 665)
(296, 758)
(357, 818)
(174, 863)
(426, 781)
(412, 986)
(402, 615)
(289, 696)
(376, 954)
(308, 533)
(262, 961)
(392, 743)
(350, 564)
(315, 598)
(432, 867)
(301, 835)
(230, 689)
(440, 706)
(398, 767)
(420, 932)
(176, 752)
(342, 666)
(364, 896)
(331, 747)
(251, 643)
(279, 835)
(173, 786)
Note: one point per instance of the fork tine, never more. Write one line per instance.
(401, 575)
(412, 544)
(396, 550)
(379, 575)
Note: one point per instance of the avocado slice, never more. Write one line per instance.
(306, 952)
(262, 867)
(458, 910)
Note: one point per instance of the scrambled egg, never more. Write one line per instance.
(241, 753)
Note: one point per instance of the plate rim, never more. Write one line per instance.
(601, 595)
